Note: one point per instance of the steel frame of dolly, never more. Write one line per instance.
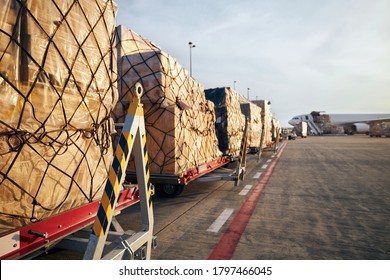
(273, 148)
(217, 172)
(30, 241)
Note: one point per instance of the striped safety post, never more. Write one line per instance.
(242, 156)
(130, 141)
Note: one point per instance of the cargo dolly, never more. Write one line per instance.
(72, 229)
(272, 148)
(173, 185)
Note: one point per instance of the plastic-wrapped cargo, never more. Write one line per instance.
(266, 118)
(57, 87)
(328, 128)
(377, 129)
(179, 120)
(386, 129)
(276, 129)
(255, 125)
(301, 129)
(230, 121)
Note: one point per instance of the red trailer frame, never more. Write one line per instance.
(20, 243)
(204, 169)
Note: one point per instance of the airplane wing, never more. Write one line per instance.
(368, 121)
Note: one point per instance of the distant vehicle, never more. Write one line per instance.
(320, 123)
(292, 136)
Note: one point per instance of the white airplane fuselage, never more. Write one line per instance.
(354, 122)
(340, 119)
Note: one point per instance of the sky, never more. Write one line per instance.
(329, 55)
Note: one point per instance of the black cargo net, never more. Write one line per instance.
(230, 121)
(179, 120)
(57, 92)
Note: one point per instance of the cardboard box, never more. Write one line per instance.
(179, 120)
(266, 118)
(55, 126)
(255, 125)
(230, 121)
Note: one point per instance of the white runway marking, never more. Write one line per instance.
(264, 166)
(245, 190)
(257, 175)
(269, 160)
(220, 221)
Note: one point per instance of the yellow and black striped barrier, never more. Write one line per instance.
(147, 171)
(132, 139)
(112, 186)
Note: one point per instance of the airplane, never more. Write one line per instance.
(321, 123)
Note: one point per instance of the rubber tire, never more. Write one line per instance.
(171, 190)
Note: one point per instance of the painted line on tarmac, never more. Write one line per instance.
(264, 166)
(245, 190)
(257, 175)
(227, 244)
(221, 220)
(268, 161)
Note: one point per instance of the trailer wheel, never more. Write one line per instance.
(171, 190)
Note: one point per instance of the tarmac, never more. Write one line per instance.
(317, 198)
(327, 198)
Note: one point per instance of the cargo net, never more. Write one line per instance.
(179, 120)
(230, 120)
(57, 93)
(253, 114)
(266, 120)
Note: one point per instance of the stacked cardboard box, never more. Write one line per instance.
(386, 129)
(57, 86)
(179, 120)
(322, 121)
(230, 120)
(8, 46)
(255, 125)
(379, 129)
(266, 118)
(328, 128)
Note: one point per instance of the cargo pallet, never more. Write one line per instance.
(173, 185)
(70, 229)
(271, 148)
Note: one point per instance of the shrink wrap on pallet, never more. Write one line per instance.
(328, 128)
(57, 87)
(276, 129)
(266, 118)
(230, 121)
(255, 125)
(379, 128)
(179, 120)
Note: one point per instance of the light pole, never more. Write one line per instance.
(248, 93)
(234, 85)
(191, 45)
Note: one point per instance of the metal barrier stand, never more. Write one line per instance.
(241, 164)
(130, 245)
(259, 151)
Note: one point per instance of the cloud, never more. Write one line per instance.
(302, 55)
